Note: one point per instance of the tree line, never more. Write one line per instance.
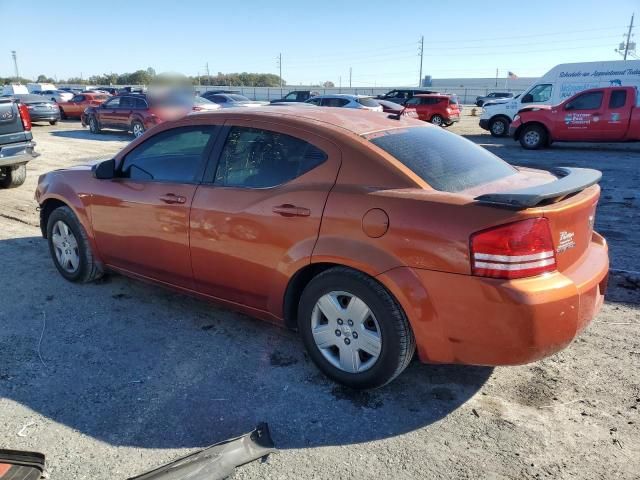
(149, 76)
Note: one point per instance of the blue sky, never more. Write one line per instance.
(377, 39)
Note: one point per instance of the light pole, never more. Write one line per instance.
(15, 65)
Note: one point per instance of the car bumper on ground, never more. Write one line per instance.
(482, 321)
(484, 123)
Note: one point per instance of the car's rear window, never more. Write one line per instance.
(447, 162)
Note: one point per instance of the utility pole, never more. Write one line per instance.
(496, 78)
(626, 47)
(350, 71)
(280, 69)
(15, 65)
(208, 72)
(340, 84)
(421, 53)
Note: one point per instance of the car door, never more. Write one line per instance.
(108, 111)
(616, 118)
(256, 220)
(141, 218)
(76, 106)
(580, 119)
(123, 114)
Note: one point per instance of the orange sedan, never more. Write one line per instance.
(74, 107)
(372, 235)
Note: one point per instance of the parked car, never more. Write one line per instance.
(134, 112)
(291, 104)
(229, 100)
(595, 115)
(492, 96)
(16, 142)
(401, 96)
(439, 109)
(390, 107)
(558, 84)
(296, 96)
(14, 89)
(109, 90)
(344, 100)
(56, 95)
(214, 92)
(79, 103)
(40, 108)
(371, 235)
(201, 104)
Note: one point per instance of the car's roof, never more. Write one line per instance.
(341, 95)
(355, 121)
(433, 95)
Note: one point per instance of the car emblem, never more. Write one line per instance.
(8, 115)
(566, 241)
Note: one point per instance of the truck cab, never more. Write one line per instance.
(594, 115)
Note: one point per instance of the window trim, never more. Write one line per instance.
(205, 159)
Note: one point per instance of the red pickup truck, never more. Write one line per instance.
(597, 115)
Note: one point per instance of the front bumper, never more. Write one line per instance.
(484, 123)
(481, 321)
(17, 153)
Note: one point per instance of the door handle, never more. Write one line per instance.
(173, 198)
(288, 210)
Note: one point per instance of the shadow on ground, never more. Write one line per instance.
(104, 135)
(136, 365)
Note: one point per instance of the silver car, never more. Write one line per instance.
(56, 95)
(344, 100)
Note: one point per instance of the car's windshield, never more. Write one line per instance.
(237, 98)
(368, 102)
(446, 161)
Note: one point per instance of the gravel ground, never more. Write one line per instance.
(113, 378)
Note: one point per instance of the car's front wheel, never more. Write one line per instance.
(499, 127)
(94, 126)
(70, 248)
(13, 176)
(533, 137)
(353, 329)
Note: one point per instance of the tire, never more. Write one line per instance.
(94, 126)
(385, 335)
(437, 120)
(67, 239)
(63, 115)
(13, 176)
(137, 128)
(533, 137)
(53, 122)
(499, 127)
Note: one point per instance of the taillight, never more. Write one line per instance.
(515, 250)
(24, 114)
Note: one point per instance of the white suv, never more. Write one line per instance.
(344, 100)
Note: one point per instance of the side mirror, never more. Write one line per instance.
(528, 98)
(105, 170)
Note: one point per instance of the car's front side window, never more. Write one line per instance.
(256, 158)
(113, 103)
(538, 94)
(174, 155)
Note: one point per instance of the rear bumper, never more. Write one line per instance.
(484, 123)
(45, 117)
(481, 321)
(17, 153)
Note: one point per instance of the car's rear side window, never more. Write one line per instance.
(618, 99)
(446, 161)
(257, 158)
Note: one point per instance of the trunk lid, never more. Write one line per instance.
(11, 128)
(568, 199)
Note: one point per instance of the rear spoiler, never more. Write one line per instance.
(570, 180)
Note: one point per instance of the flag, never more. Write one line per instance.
(512, 76)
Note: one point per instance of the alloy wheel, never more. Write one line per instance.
(532, 138)
(138, 130)
(65, 247)
(346, 332)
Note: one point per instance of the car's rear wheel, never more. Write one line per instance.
(353, 329)
(137, 128)
(94, 126)
(70, 248)
(498, 127)
(13, 176)
(437, 120)
(533, 137)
